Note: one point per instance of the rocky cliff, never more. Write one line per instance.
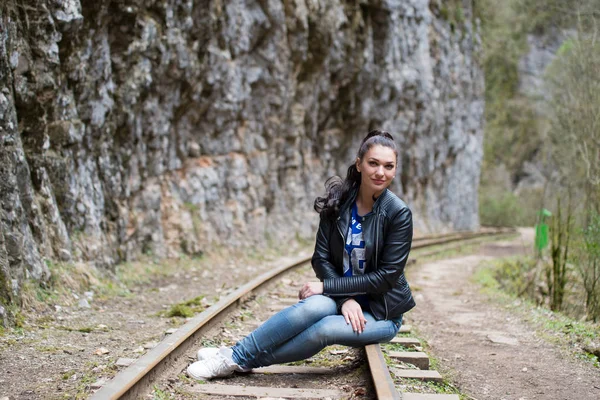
(166, 126)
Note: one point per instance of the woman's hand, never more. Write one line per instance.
(353, 315)
(310, 289)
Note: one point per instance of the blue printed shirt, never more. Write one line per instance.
(354, 256)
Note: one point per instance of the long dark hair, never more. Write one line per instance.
(337, 189)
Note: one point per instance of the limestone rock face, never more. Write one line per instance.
(165, 126)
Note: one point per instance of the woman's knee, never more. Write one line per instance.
(318, 305)
(327, 330)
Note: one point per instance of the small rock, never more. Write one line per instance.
(98, 384)
(57, 308)
(193, 149)
(524, 369)
(99, 368)
(167, 288)
(171, 331)
(150, 345)
(101, 351)
(83, 303)
(593, 348)
(64, 255)
(503, 340)
(9, 140)
(361, 391)
(337, 352)
(124, 362)
(2, 314)
(139, 350)
(89, 295)
(102, 327)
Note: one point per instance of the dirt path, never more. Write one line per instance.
(489, 352)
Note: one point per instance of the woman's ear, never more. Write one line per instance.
(357, 164)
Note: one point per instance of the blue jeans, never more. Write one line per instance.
(302, 330)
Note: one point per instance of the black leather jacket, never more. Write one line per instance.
(387, 232)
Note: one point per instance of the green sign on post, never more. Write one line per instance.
(541, 231)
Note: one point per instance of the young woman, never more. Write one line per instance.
(362, 246)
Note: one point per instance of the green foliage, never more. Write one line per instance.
(187, 309)
(513, 275)
(515, 131)
(509, 275)
(574, 135)
(159, 394)
(512, 133)
(180, 310)
(499, 208)
(556, 273)
(545, 15)
(67, 375)
(587, 260)
(452, 11)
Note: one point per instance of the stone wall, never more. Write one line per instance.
(167, 126)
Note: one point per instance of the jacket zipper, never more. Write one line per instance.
(376, 261)
(340, 231)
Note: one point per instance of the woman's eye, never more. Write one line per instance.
(389, 166)
(372, 163)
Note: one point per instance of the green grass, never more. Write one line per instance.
(84, 385)
(325, 359)
(47, 349)
(188, 308)
(416, 385)
(83, 329)
(67, 375)
(158, 394)
(396, 347)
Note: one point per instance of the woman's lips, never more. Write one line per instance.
(379, 181)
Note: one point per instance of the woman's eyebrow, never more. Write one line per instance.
(375, 159)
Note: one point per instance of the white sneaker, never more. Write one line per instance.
(219, 365)
(206, 352)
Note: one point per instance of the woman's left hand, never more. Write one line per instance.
(310, 289)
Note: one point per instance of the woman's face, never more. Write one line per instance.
(377, 168)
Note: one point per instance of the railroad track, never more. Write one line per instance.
(162, 368)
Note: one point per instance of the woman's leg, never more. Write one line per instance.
(329, 330)
(280, 328)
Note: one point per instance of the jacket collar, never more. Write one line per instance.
(343, 219)
(352, 198)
